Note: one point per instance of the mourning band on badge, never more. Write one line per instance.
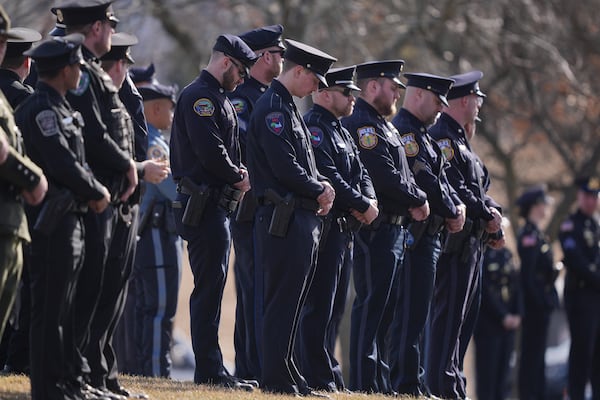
(316, 136)
(275, 123)
(84, 83)
(446, 148)
(48, 123)
(204, 107)
(240, 105)
(367, 137)
(411, 147)
(157, 152)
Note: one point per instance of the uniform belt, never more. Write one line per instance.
(212, 192)
(299, 202)
(393, 219)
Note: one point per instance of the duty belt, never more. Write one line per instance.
(393, 219)
(299, 202)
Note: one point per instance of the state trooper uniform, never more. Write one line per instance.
(53, 136)
(286, 183)
(244, 98)
(580, 240)
(417, 280)
(10, 82)
(539, 296)
(495, 344)
(337, 158)
(205, 160)
(379, 249)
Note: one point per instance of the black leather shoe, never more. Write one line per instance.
(120, 390)
(231, 382)
(251, 382)
(308, 392)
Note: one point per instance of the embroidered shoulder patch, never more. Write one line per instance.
(367, 137)
(240, 105)
(447, 149)
(84, 83)
(204, 107)
(274, 122)
(566, 226)
(316, 136)
(157, 152)
(411, 147)
(47, 122)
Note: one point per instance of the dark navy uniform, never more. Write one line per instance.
(10, 82)
(580, 240)
(495, 344)
(539, 299)
(14, 90)
(458, 280)
(53, 136)
(417, 281)
(379, 250)
(337, 158)
(282, 164)
(205, 150)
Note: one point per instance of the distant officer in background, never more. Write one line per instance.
(206, 164)
(379, 248)
(539, 294)
(292, 197)
(337, 159)
(142, 76)
(580, 240)
(266, 43)
(425, 96)
(16, 66)
(499, 319)
(159, 249)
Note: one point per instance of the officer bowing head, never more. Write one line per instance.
(428, 93)
(267, 44)
(465, 96)
(338, 95)
(380, 84)
(117, 61)
(53, 54)
(231, 61)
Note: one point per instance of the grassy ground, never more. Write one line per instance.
(17, 388)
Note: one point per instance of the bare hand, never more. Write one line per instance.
(456, 224)
(371, 213)
(326, 198)
(511, 322)
(3, 148)
(420, 213)
(155, 171)
(36, 195)
(133, 181)
(244, 184)
(494, 225)
(100, 205)
(497, 244)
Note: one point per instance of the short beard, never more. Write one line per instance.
(229, 80)
(384, 108)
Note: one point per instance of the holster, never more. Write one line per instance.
(229, 198)
(282, 212)
(455, 241)
(117, 186)
(56, 206)
(416, 230)
(247, 208)
(196, 203)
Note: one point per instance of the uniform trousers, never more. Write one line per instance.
(534, 333)
(11, 266)
(378, 256)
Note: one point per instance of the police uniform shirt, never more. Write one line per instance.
(427, 164)
(108, 149)
(204, 138)
(53, 137)
(467, 175)
(14, 91)
(132, 100)
(280, 155)
(383, 156)
(537, 269)
(243, 98)
(337, 159)
(580, 240)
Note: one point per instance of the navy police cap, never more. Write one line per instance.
(343, 76)
(466, 84)
(59, 29)
(589, 184)
(310, 58)
(262, 38)
(436, 84)
(142, 74)
(82, 12)
(57, 52)
(235, 47)
(16, 47)
(533, 195)
(381, 69)
(157, 91)
(5, 30)
(120, 47)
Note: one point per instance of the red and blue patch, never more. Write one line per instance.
(274, 122)
(316, 136)
(240, 105)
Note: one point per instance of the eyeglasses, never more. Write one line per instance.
(346, 92)
(241, 69)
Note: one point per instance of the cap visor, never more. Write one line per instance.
(480, 93)
(443, 100)
(321, 79)
(10, 34)
(353, 87)
(399, 82)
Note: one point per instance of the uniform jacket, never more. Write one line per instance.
(14, 91)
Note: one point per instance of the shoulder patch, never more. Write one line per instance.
(84, 83)
(157, 152)
(316, 136)
(569, 243)
(411, 147)
(566, 226)
(447, 149)
(47, 122)
(529, 240)
(367, 137)
(240, 105)
(204, 107)
(274, 122)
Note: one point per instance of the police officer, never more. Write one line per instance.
(142, 76)
(337, 158)
(54, 139)
(497, 325)
(159, 248)
(20, 179)
(205, 158)
(425, 95)
(266, 43)
(457, 288)
(15, 66)
(539, 294)
(379, 250)
(291, 196)
(580, 240)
